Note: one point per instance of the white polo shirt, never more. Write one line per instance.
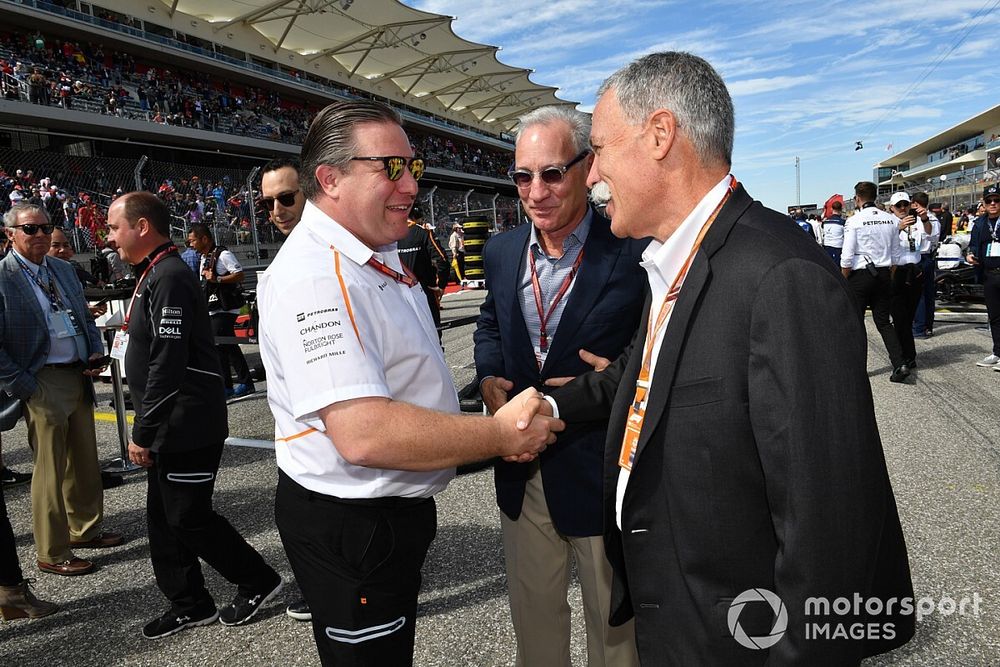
(871, 236)
(335, 329)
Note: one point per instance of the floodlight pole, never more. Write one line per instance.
(798, 184)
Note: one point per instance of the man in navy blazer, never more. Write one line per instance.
(47, 338)
(563, 293)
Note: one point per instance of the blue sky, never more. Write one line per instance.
(808, 78)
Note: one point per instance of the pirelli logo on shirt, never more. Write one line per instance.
(171, 326)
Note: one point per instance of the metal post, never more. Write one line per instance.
(253, 212)
(798, 185)
(430, 203)
(137, 174)
(120, 464)
(496, 224)
(467, 195)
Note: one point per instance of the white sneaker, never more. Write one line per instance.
(989, 362)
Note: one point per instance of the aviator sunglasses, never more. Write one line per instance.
(31, 230)
(550, 175)
(394, 165)
(286, 199)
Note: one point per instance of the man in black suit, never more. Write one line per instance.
(729, 474)
(562, 289)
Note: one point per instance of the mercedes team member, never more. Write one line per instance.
(907, 278)
(923, 320)
(871, 249)
(984, 252)
(367, 423)
(180, 427)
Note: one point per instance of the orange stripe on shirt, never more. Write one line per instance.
(297, 435)
(347, 299)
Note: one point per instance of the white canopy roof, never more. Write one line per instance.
(383, 40)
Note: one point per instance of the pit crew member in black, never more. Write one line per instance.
(180, 426)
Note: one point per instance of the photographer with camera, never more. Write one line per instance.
(221, 277)
(871, 250)
(908, 277)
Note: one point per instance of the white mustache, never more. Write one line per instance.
(600, 194)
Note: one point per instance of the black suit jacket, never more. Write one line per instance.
(759, 463)
(601, 315)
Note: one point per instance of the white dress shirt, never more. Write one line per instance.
(871, 236)
(334, 329)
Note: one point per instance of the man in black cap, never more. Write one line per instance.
(984, 252)
(419, 253)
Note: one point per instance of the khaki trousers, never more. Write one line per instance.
(67, 501)
(538, 566)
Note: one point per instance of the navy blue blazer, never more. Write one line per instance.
(601, 316)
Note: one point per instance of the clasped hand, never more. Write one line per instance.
(528, 426)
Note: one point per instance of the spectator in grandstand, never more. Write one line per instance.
(984, 252)
(47, 367)
(281, 197)
(179, 430)
(833, 232)
(456, 243)
(221, 278)
(579, 296)
(923, 319)
(871, 249)
(38, 87)
(377, 403)
(798, 481)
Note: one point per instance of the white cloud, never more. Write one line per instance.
(768, 84)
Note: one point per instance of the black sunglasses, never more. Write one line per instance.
(286, 199)
(550, 175)
(992, 200)
(31, 230)
(394, 165)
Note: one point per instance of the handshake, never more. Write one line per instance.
(527, 425)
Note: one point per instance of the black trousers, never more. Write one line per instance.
(876, 291)
(991, 290)
(183, 526)
(358, 565)
(230, 355)
(10, 568)
(907, 286)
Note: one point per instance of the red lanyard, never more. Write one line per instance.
(406, 278)
(543, 316)
(142, 278)
(637, 412)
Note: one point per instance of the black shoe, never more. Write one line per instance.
(10, 477)
(910, 363)
(243, 607)
(110, 481)
(299, 611)
(900, 374)
(171, 623)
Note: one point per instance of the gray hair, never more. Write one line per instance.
(688, 87)
(331, 138)
(579, 123)
(17, 210)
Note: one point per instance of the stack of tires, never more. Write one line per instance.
(477, 232)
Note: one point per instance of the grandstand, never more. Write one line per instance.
(189, 99)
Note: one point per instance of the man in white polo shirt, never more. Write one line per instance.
(367, 425)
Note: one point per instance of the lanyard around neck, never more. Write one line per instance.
(50, 290)
(407, 278)
(142, 279)
(543, 315)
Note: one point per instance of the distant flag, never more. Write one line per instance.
(828, 206)
(888, 146)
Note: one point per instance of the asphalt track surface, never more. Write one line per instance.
(941, 435)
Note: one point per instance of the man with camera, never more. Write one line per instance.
(221, 277)
(908, 276)
(871, 249)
